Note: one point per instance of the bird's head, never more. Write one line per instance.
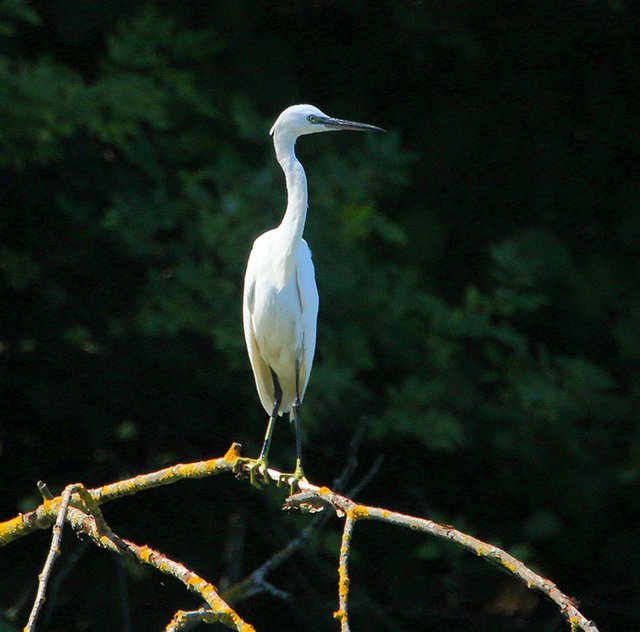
(298, 120)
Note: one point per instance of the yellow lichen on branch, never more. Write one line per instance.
(353, 512)
(43, 516)
(219, 610)
(81, 508)
(233, 454)
(182, 471)
(342, 614)
(12, 529)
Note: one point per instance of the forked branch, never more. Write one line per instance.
(353, 512)
(80, 508)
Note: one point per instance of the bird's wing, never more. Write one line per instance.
(261, 372)
(308, 294)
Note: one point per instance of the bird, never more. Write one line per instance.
(280, 297)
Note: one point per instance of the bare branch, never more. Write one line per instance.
(342, 614)
(367, 478)
(43, 516)
(66, 566)
(83, 513)
(219, 610)
(54, 552)
(352, 459)
(255, 583)
(85, 516)
(256, 580)
(354, 511)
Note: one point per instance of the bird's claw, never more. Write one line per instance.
(292, 479)
(257, 470)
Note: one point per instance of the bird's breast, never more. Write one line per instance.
(277, 322)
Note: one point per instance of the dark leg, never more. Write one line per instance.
(277, 400)
(298, 474)
(257, 468)
(296, 422)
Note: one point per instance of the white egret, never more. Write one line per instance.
(280, 301)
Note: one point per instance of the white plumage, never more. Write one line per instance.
(280, 312)
(280, 300)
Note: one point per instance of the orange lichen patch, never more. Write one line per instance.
(385, 513)
(343, 587)
(324, 491)
(194, 581)
(186, 471)
(343, 583)
(145, 553)
(209, 592)
(340, 615)
(11, 529)
(358, 512)
(232, 454)
(122, 488)
(166, 476)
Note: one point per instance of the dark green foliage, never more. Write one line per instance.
(478, 269)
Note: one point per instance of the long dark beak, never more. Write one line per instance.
(338, 124)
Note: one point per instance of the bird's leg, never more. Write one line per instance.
(258, 467)
(298, 474)
(292, 479)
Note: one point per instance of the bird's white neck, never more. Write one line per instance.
(292, 226)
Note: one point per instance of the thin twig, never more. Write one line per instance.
(219, 610)
(54, 552)
(234, 549)
(123, 590)
(247, 587)
(351, 464)
(342, 614)
(66, 566)
(367, 478)
(350, 509)
(84, 515)
(44, 490)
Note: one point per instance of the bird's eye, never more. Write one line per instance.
(312, 119)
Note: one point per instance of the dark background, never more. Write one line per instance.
(478, 271)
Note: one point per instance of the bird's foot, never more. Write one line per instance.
(255, 468)
(293, 479)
